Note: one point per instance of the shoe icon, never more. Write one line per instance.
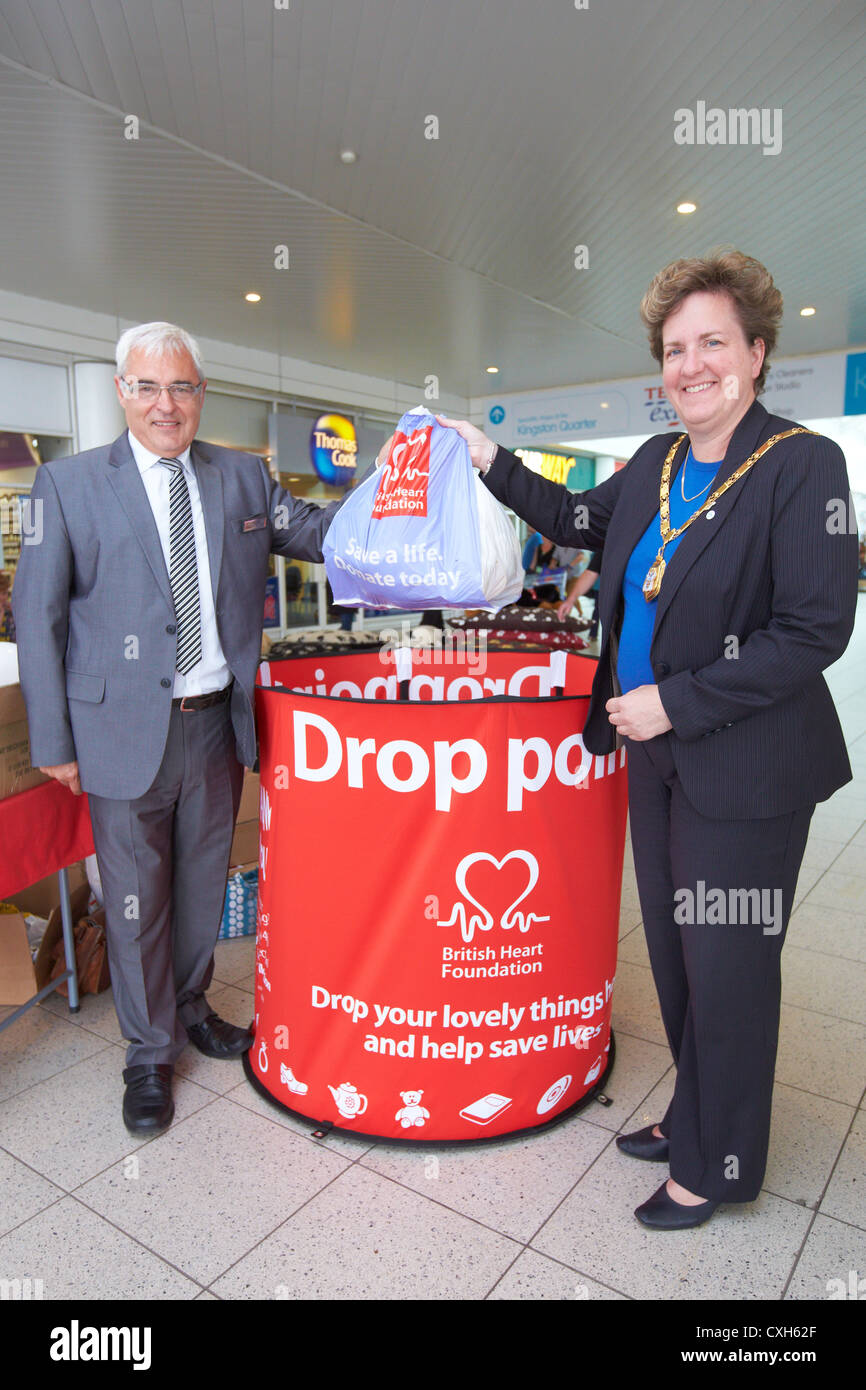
(297, 1087)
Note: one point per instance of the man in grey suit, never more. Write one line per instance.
(139, 622)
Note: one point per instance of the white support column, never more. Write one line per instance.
(605, 466)
(98, 412)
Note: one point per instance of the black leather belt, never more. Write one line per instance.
(194, 702)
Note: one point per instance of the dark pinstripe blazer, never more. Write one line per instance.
(754, 734)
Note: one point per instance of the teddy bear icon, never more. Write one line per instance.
(412, 1111)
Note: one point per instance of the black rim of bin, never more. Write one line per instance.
(322, 1128)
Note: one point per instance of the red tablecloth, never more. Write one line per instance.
(41, 830)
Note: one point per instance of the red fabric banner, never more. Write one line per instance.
(462, 670)
(41, 830)
(439, 893)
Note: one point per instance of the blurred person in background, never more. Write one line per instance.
(585, 583)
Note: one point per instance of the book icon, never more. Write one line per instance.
(482, 1111)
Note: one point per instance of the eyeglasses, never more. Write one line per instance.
(151, 390)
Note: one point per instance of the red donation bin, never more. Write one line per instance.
(439, 885)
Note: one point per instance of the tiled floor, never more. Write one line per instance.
(237, 1201)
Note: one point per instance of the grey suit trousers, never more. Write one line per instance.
(163, 861)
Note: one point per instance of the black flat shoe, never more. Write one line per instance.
(644, 1144)
(216, 1038)
(662, 1213)
(147, 1104)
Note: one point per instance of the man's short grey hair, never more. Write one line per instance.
(153, 338)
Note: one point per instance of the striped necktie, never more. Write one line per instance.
(183, 569)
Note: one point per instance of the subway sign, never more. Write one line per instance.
(556, 467)
(334, 449)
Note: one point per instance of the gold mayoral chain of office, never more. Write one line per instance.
(653, 582)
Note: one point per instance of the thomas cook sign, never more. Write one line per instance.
(334, 449)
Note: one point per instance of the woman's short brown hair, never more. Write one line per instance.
(748, 284)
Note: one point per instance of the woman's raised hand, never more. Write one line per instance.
(481, 449)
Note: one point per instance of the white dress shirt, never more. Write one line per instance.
(212, 671)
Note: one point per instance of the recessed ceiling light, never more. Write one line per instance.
(252, 297)
(492, 370)
(604, 405)
(686, 208)
(348, 156)
(807, 312)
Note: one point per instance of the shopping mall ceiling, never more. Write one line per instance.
(154, 153)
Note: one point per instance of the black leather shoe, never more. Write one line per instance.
(216, 1038)
(147, 1104)
(644, 1144)
(662, 1213)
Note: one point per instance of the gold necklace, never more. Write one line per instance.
(653, 582)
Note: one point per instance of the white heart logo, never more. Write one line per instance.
(481, 856)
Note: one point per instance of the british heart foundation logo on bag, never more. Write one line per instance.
(405, 476)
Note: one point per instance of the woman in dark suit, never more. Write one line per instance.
(729, 584)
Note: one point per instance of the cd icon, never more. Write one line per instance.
(553, 1096)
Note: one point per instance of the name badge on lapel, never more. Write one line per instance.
(254, 523)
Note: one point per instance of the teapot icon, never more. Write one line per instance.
(348, 1100)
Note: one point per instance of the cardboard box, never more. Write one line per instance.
(43, 897)
(249, 807)
(245, 845)
(17, 774)
(20, 976)
(17, 976)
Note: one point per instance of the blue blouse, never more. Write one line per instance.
(633, 661)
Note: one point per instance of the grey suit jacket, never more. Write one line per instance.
(94, 612)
